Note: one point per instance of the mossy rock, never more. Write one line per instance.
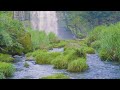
(78, 65)
(7, 69)
(56, 76)
(6, 58)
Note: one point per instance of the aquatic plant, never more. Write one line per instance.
(60, 62)
(77, 65)
(56, 76)
(6, 58)
(26, 65)
(7, 69)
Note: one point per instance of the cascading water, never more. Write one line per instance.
(44, 20)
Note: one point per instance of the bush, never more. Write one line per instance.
(6, 58)
(10, 33)
(62, 43)
(56, 76)
(78, 65)
(7, 69)
(2, 75)
(26, 42)
(60, 62)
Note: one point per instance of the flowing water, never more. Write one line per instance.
(97, 69)
(44, 20)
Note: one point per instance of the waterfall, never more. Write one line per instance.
(44, 21)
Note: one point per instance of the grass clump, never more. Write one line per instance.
(26, 65)
(6, 58)
(95, 45)
(89, 50)
(60, 62)
(78, 65)
(56, 76)
(43, 58)
(7, 69)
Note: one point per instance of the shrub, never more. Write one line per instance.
(56, 76)
(2, 75)
(26, 42)
(78, 65)
(6, 58)
(62, 43)
(7, 69)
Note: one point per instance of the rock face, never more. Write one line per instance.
(22, 15)
(44, 21)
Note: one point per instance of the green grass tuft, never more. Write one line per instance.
(56, 76)
(78, 65)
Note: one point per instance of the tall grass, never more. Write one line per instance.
(109, 41)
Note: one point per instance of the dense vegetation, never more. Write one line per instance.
(100, 33)
(81, 22)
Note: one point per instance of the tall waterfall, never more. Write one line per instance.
(44, 20)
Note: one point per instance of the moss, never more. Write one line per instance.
(7, 69)
(26, 65)
(78, 65)
(60, 62)
(56, 76)
(2, 75)
(6, 58)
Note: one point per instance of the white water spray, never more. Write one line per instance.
(44, 21)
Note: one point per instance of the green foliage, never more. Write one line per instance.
(2, 75)
(7, 69)
(53, 38)
(89, 50)
(56, 76)
(107, 41)
(26, 42)
(10, 33)
(78, 65)
(6, 58)
(60, 62)
(43, 58)
(96, 44)
(104, 55)
(26, 65)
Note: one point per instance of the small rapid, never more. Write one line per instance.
(97, 69)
